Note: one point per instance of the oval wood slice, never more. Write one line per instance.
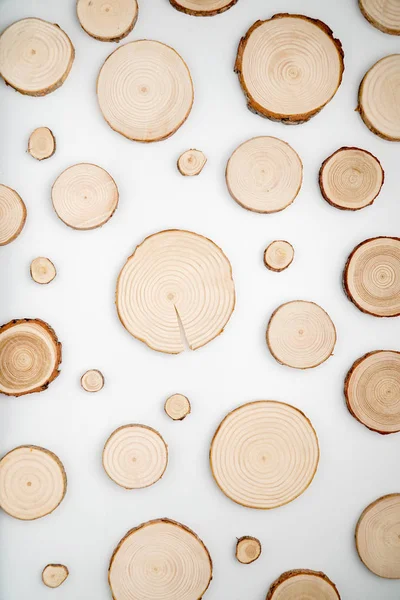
(30, 355)
(35, 56)
(278, 256)
(289, 67)
(264, 454)
(160, 559)
(248, 549)
(32, 482)
(202, 8)
(145, 91)
(382, 15)
(42, 270)
(303, 583)
(42, 143)
(107, 21)
(175, 278)
(371, 276)
(92, 381)
(54, 575)
(191, 163)
(177, 407)
(12, 215)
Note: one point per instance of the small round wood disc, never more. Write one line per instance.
(175, 277)
(12, 215)
(92, 381)
(30, 355)
(145, 91)
(32, 482)
(377, 537)
(85, 196)
(301, 335)
(278, 256)
(248, 549)
(160, 559)
(107, 20)
(371, 276)
(42, 270)
(264, 174)
(382, 15)
(303, 583)
(264, 454)
(177, 407)
(191, 163)
(54, 575)
(202, 8)
(42, 143)
(289, 67)
(35, 56)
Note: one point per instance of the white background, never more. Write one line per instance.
(357, 466)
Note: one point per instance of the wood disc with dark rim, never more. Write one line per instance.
(278, 255)
(177, 407)
(248, 549)
(12, 215)
(41, 143)
(191, 163)
(92, 381)
(107, 20)
(202, 8)
(382, 14)
(303, 583)
(42, 270)
(54, 575)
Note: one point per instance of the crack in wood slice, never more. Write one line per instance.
(289, 67)
(303, 583)
(160, 559)
(107, 20)
(54, 575)
(248, 549)
(278, 256)
(170, 272)
(264, 454)
(92, 381)
(377, 537)
(177, 407)
(35, 56)
(191, 162)
(42, 270)
(30, 356)
(12, 215)
(33, 482)
(145, 91)
(382, 14)
(42, 143)
(202, 8)
(371, 277)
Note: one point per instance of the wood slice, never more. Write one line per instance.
(303, 583)
(35, 56)
(107, 20)
(191, 163)
(278, 256)
(264, 174)
(92, 381)
(54, 575)
(378, 104)
(248, 549)
(384, 15)
(177, 407)
(30, 355)
(264, 454)
(42, 270)
(175, 278)
(289, 67)
(160, 559)
(145, 91)
(377, 537)
(12, 215)
(202, 8)
(301, 335)
(85, 196)
(371, 277)
(42, 143)
(32, 482)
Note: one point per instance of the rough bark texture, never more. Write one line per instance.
(257, 543)
(201, 13)
(294, 573)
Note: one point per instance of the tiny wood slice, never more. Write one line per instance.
(301, 335)
(92, 381)
(42, 270)
(32, 482)
(191, 163)
(54, 575)
(85, 196)
(278, 256)
(202, 8)
(107, 20)
(248, 549)
(145, 91)
(377, 537)
(289, 67)
(384, 15)
(12, 215)
(371, 276)
(35, 56)
(30, 355)
(160, 559)
(303, 583)
(264, 454)
(42, 143)
(177, 407)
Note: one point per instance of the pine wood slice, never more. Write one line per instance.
(32, 482)
(301, 335)
(289, 67)
(35, 56)
(177, 407)
(107, 20)
(377, 537)
(303, 583)
(92, 381)
(54, 575)
(160, 559)
(278, 256)
(12, 215)
(42, 270)
(248, 549)
(191, 163)
(371, 276)
(264, 454)
(42, 143)
(382, 14)
(202, 8)
(175, 278)
(30, 355)
(145, 91)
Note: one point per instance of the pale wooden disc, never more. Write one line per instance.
(32, 482)
(278, 256)
(377, 537)
(378, 101)
(202, 8)
(30, 355)
(264, 174)
(175, 278)
(42, 270)
(264, 454)
(85, 196)
(177, 407)
(301, 335)
(92, 381)
(371, 276)
(248, 549)
(289, 67)
(107, 20)
(42, 143)
(145, 91)
(302, 584)
(160, 559)
(191, 162)
(35, 56)
(54, 575)
(12, 215)
(382, 14)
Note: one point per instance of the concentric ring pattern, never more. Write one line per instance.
(12, 215)
(383, 14)
(303, 584)
(107, 20)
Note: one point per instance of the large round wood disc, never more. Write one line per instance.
(35, 56)
(302, 584)
(32, 482)
(289, 67)
(175, 278)
(160, 559)
(382, 14)
(202, 8)
(145, 91)
(371, 276)
(30, 355)
(264, 174)
(107, 20)
(264, 454)
(12, 215)
(378, 538)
